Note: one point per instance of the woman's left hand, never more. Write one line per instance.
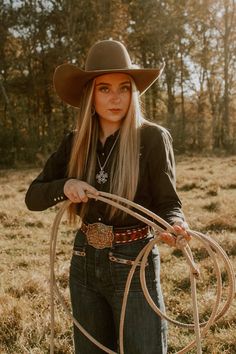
(170, 239)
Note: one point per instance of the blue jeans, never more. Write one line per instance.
(97, 283)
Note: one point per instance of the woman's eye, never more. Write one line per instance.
(104, 89)
(125, 88)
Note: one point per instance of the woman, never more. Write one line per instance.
(113, 149)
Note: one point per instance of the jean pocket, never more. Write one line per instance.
(78, 266)
(120, 266)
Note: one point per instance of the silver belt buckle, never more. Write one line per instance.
(99, 235)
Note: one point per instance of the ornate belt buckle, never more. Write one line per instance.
(99, 235)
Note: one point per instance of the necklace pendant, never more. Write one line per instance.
(102, 177)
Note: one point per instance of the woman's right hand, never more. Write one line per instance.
(76, 190)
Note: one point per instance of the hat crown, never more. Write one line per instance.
(108, 55)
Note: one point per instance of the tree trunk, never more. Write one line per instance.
(183, 118)
(170, 98)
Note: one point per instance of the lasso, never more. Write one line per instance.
(209, 244)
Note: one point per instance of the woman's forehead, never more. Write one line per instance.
(113, 78)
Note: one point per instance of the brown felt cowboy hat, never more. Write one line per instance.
(104, 57)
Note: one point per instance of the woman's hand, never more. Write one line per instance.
(170, 239)
(77, 190)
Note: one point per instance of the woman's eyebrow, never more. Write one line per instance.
(106, 83)
(125, 83)
(103, 83)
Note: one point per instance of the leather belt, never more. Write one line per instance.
(102, 236)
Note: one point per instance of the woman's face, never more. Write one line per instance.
(112, 95)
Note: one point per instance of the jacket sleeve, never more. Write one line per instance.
(165, 200)
(47, 189)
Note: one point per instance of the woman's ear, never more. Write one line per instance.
(93, 110)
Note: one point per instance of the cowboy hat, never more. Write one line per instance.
(104, 57)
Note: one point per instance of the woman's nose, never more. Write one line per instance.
(115, 96)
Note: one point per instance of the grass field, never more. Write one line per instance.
(207, 187)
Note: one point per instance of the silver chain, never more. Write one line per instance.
(102, 176)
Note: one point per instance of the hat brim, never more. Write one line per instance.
(69, 80)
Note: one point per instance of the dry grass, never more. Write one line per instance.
(208, 191)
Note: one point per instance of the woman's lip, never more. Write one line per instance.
(115, 109)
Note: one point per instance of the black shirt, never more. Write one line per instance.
(156, 186)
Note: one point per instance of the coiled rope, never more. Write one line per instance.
(212, 247)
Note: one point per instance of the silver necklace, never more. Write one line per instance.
(102, 176)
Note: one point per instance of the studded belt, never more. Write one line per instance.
(102, 236)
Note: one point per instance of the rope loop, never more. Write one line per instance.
(212, 247)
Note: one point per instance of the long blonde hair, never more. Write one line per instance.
(125, 166)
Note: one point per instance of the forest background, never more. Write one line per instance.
(195, 97)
